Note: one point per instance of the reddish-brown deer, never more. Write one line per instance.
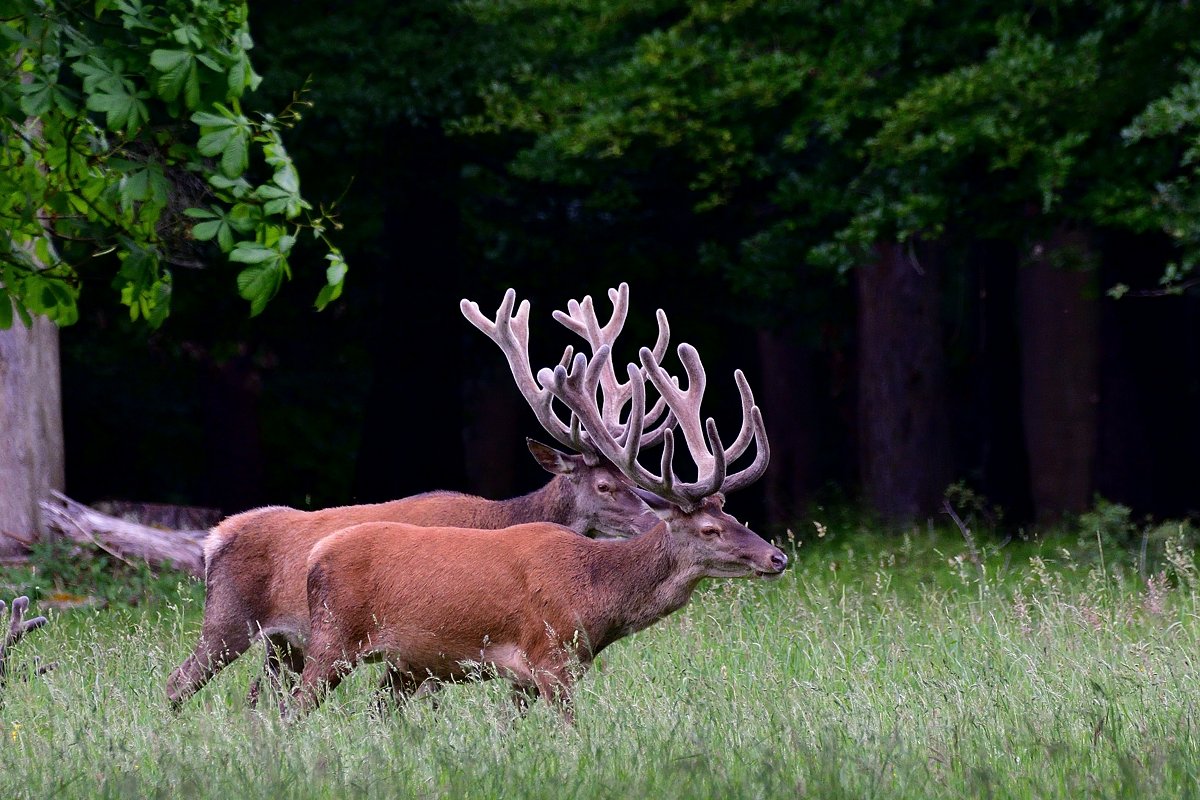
(255, 562)
(535, 604)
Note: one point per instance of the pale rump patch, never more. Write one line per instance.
(221, 534)
(212, 543)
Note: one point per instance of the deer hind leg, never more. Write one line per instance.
(217, 647)
(283, 663)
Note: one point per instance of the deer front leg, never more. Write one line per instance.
(523, 698)
(322, 674)
(555, 684)
(403, 688)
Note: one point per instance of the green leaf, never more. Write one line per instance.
(37, 96)
(124, 110)
(134, 187)
(228, 136)
(207, 120)
(244, 217)
(225, 238)
(6, 311)
(253, 253)
(335, 275)
(23, 313)
(287, 179)
(327, 295)
(211, 144)
(258, 284)
(238, 73)
(209, 62)
(207, 230)
(237, 187)
(235, 158)
(166, 60)
(178, 69)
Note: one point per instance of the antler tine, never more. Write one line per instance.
(746, 434)
(684, 404)
(576, 389)
(581, 319)
(712, 459)
(742, 479)
(17, 628)
(567, 355)
(511, 333)
(655, 435)
(631, 438)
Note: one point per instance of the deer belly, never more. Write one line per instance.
(431, 659)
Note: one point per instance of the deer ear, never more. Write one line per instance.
(661, 508)
(553, 461)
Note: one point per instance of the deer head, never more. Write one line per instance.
(701, 530)
(595, 494)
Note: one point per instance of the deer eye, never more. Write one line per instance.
(604, 488)
(710, 530)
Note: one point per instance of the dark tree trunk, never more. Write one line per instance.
(902, 426)
(493, 437)
(786, 396)
(233, 435)
(413, 432)
(1003, 464)
(31, 434)
(1059, 331)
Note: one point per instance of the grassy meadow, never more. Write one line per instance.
(913, 665)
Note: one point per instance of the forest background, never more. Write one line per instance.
(948, 243)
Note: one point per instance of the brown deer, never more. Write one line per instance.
(255, 561)
(533, 603)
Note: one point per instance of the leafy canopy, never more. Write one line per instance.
(806, 132)
(124, 135)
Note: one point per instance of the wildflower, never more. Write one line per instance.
(1021, 611)
(1156, 594)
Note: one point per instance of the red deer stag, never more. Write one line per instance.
(255, 561)
(528, 603)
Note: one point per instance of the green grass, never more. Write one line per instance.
(878, 667)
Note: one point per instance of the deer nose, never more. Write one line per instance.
(779, 560)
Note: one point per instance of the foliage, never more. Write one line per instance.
(805, 133)
(58, 573)
(126, 134)
(876, 667)
(1176, 207)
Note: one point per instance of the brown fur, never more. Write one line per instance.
(523, 603)
(256, 561)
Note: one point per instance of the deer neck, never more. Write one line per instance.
(634, 583)
(551, 503)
